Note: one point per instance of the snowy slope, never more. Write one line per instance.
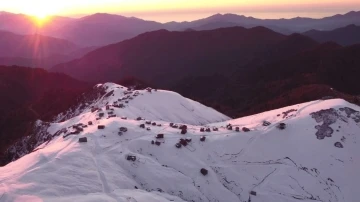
(152, 104)
(299, 163)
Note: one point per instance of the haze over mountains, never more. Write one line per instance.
(21, 33)
(37, 50)
(33, 46)
(345, 36)
(103, 29)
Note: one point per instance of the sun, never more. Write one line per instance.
(41, 10)
(41, 19)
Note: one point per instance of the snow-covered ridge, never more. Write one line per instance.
(150, 104)
(110, 100)
(124, 159)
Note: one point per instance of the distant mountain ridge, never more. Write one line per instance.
(37, 50)
(246, 67)
(33, 46)
(298, 24)
(163, 57)
(348, 35)
(102, 29)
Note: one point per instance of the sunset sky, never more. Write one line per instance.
(180, 10)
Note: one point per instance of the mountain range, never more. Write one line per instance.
(63, 39)
(251, 60)
(163, 57)
(102, 29)
(345, 36)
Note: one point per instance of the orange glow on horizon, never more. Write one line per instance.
(162, 10)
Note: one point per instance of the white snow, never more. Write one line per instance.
(279, 165)
(160, 105)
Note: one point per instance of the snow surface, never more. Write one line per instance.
(279, 165)
(155, 105)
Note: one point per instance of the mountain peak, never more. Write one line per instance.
(353, 13)
(102, 16)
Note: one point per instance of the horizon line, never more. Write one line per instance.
(79, 16)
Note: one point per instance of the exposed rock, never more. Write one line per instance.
(266, 123)
(204, 171)
(351, 113)
(183, 142)
(245, 129)
(123, 129)
(131, 158)
(328, 117)
(281, 126)
(338, 145)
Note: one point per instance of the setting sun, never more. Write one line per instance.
(40, 9)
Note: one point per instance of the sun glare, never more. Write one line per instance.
(41, 10)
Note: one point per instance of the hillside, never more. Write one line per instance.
(257, 163)
(29, 94)
(157, 105)
(326, 70)
(163, 58)
(346, 36)
(250, 70)
(32, 46)
(102, 29)
(37, 50)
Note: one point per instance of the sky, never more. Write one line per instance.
(181, 10)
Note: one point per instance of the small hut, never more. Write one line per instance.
(159, 136)
(82, 139)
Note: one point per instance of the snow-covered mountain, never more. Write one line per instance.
(101, 150)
